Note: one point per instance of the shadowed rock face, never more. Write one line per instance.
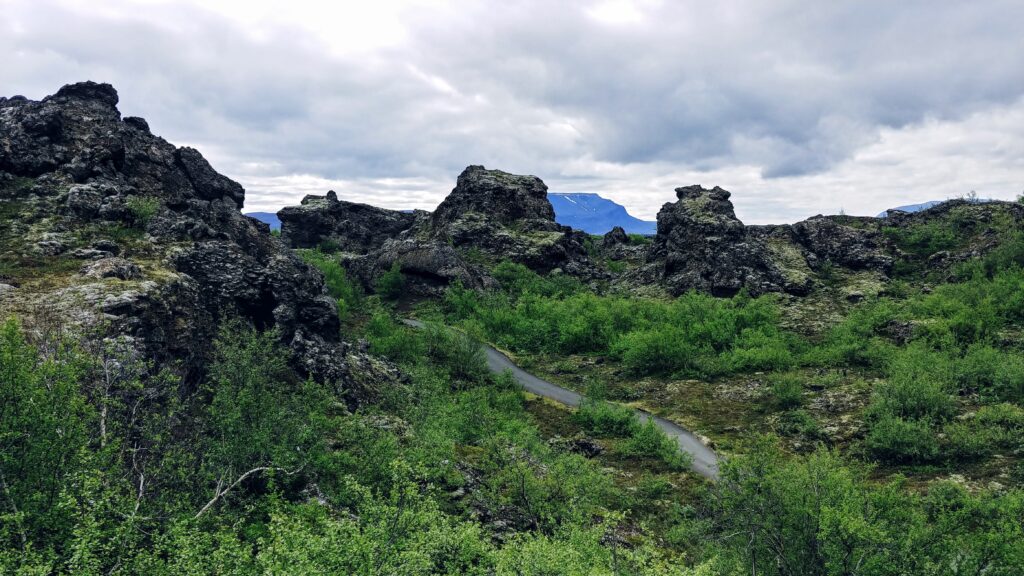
(502, 197)
(350, 227)
(701, 245)
(79, 183)
(491, 215)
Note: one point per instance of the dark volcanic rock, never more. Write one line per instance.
(351, 227)
(857, 248)
(74, 173)
(702, 245)
(615, 237)
(428, 266)
(490, 215)
(507, 217)
(504, 198)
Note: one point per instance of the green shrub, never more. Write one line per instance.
(462, 355)
(923, 240)
(661, 351)
(615, 266)
(977, 369)
(648, 441)
(258, 415)
(799, 423)
(965, 441)
(1008, 381)
(335, 279)
(392, 282)
(605, 418)
(389, 339)
(895, 439)
(1005, 416)
(329, 246)
(917, 386)
(143, 209)
(786, 390)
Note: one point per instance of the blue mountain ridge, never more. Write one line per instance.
(267, 217)
(596, 215)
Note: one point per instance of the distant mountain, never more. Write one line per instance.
(596, 215)
(913, 207)
(268, 217)
(927, 205)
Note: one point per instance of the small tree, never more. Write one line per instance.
(391, 284)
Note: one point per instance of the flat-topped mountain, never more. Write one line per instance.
(596, 215)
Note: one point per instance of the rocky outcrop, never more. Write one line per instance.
(505, 199)
(615, 237)
(171, 254)
(340, 225)
(507, 217)
(489, 216)
(429, 267)
(701, 245)
(860, 246)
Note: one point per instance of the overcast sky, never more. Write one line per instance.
(798, 108)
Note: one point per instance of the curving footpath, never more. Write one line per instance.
(705, 461)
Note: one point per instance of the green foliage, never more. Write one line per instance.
(517, 280)
(924, 239)
(786, 390)
(461, 354)
(694, 334)
(328, 246)
(44, 433)
(338, 284)
(391, 284)
(259, 414)
(606, 419)
(143, 209)
(897, 439)
(648, 441)
(391, 340)
(992, 428)
(820, 515)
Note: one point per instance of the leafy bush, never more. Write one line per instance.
(896, 439)
(967, 442)
(329, 246)
(605, 419)
(917, 387)
(923, 240)
(462, 355)
(335, 279)
(786, 390)
(648, 441)
(257, 415)
(799, 423)
(391, 284)
(389, 339)
(143, 209)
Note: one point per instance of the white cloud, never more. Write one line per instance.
(797, 108)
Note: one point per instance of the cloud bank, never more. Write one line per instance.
(796, 107)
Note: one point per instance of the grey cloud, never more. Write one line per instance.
(793, 89)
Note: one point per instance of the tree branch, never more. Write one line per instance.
(241, 479)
